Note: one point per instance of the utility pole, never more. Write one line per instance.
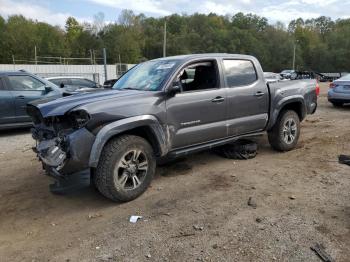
(164, 41)
(294, 49)
(35, 56)
(105, 62)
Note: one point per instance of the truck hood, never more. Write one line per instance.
(55, 107)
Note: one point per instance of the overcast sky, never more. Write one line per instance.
(56, 11)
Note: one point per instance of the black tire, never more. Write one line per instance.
(277, 135)
(115, 174)
(337, 104)
(241, 150)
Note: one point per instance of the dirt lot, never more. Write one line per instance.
(196, 208)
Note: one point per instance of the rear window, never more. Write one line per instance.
(82, 82)
(60, 81)
(239, 72)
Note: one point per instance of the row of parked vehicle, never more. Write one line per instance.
(339, 89)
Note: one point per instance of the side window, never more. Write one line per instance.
(25, 83)
(199, 76)
(82, 82)
(57, 82)
(239, 72)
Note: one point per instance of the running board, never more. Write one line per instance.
(206, 146)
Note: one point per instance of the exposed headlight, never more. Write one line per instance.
(79, 118)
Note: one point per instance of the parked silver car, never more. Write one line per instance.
(339, 91)
(289, 74)
(73, 83)
(272, 77)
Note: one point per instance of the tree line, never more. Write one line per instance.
(322, 45)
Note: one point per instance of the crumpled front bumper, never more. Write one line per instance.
(67, 155)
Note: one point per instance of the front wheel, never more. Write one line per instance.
(285, 133)
(125, 169)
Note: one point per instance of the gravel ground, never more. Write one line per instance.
(196, 209)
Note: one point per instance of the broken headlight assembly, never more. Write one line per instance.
(79, 118)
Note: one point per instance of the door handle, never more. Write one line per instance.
(20, 97)
(218, 99)
(259, 93)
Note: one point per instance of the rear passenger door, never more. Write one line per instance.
(7, 104)
(247, 97)
(25, 89)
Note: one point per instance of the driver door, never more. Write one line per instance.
(198, 113)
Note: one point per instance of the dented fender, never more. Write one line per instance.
(120, 126)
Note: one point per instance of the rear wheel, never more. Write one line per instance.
(285, 133)
(126, 168)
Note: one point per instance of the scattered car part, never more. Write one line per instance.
(344, 159)
(241, 149)
(319, 249)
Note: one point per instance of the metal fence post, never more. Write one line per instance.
(105, 62)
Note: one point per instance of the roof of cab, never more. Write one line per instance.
(205, 55)
(3, 73)
(66, 77)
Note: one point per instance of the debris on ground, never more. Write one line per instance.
(95, 215)
(133, 219)
(292, 197)
(184, 234)
(344, 159)
(197, 227)
(252, 203)
(258, 220)
(319, 249)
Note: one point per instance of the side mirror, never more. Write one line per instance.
(61, 85)
(174, 88)
(48, 89)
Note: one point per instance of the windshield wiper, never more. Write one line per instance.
(129, 88)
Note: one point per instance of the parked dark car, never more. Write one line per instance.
(109, 83)
(73, 83)
(167, 108)
(17, 88)
(288, 74)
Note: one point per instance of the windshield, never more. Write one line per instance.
(287, 71)
(147, 76)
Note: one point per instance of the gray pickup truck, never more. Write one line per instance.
(166, 107)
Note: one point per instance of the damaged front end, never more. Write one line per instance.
(63, 143)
